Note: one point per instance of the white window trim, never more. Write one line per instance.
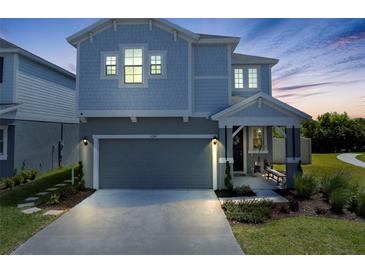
(4, 155)
(251, 150)
(103, 56)
(245, 77)
(145, 66)
(163, 74)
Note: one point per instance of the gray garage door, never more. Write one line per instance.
(156, 163)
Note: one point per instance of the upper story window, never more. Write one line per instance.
(238, 78)
(156, 65)
(133, 66)
(110, 65)
(252, 77)
(1, 68)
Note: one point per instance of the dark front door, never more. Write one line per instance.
(238, 151)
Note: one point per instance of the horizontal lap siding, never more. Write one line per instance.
(44, 98)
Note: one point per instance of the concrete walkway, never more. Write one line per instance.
(139, 222)
(350, 158)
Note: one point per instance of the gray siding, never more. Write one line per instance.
(115, 126)
(155, 163)
(34, 142)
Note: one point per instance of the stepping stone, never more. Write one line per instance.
(31, 210)
(53, 212)
(30, 199)
(52, 188)
(67, 181)
(25, 205)
(42, 193)
(61, 185)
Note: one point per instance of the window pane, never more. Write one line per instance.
(137, 52)
(1, 134)
(138, 70)
(137, 61)
(128, 61)
(1, 147)
(137, 78)
(128, 53)
(128, 78)
(258, 138)
(128, 70)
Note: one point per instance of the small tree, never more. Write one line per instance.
(228, 177)
(80, 177)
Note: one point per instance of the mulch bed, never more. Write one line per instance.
(225, 193)
(316, 206)
(69, 198)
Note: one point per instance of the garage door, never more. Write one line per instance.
(155, 163)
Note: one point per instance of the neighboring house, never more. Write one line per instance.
(163, 107)
(37, 114)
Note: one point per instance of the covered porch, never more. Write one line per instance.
(245, 140)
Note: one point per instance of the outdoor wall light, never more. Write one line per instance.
(85, 141)
(215, 140)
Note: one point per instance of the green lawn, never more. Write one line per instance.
(361, 157)
(328, 164)
(17, 227)
(302, 235)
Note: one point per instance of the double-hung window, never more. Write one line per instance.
(110, 65)
(133, 66)
(1, 69)
(252, 77)
(156, 65)
(238, 78)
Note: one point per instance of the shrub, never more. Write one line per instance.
(339, 199)
(228, 177)
(305, 185)
(54, 199)
(244, 191)
(332, 183)
(284, 209)
(253, 211)
(8, 182)
(353, 203)
(361, 204)
(80, 177)
(18, 179)
(321, 211)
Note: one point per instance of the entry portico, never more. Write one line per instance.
(245, 135)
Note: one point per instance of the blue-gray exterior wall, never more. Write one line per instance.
(161, 94)
(31, 142)
(44, 72)
(7, 166)
(211, 87)
(150, 126)
(7, 86)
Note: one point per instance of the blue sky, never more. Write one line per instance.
(322, 61)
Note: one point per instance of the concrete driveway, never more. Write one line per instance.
(139, 222)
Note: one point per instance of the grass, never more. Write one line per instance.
(327, 164)
(361, 157)
(302, 235)
(17, 227)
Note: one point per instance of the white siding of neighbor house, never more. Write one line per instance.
(44, 100)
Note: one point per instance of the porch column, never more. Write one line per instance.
(292, 145)
(224, 154)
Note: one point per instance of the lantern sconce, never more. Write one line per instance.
(85, 141)
(215, 140)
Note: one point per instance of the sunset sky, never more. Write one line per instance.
(322, 61)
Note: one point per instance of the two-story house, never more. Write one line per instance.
(163, 107)
(38, 121)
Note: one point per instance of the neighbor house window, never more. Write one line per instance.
(252, 77)
(156, 65)
(3, 142)
(110, 65)
(238, 78)
(133, 66)
(1, 68)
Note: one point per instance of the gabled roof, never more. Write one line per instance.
(7, 47)
(247, 102)
(195, 37)
(243, 59)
